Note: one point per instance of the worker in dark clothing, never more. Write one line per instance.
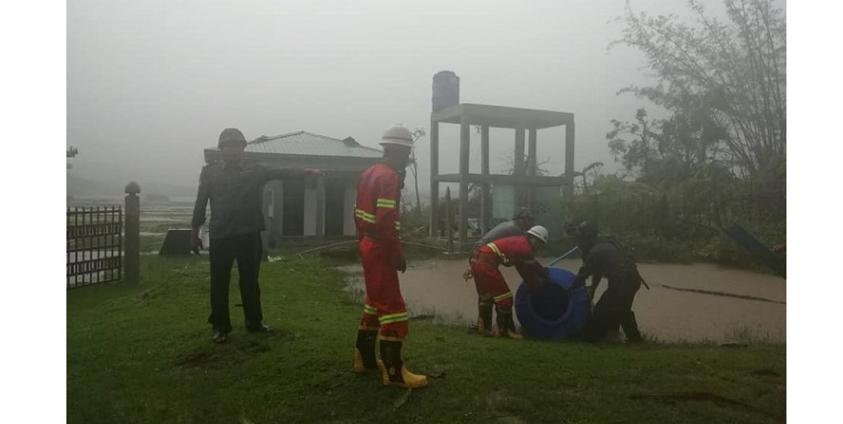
(517, 226)
(234, 187)
(605, 257)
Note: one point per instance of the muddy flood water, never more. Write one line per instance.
(667, 312)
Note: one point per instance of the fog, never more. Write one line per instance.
(152, 83)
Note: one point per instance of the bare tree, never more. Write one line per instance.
(418, 133)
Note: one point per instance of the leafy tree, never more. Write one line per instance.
(724, 82)
(718, 154)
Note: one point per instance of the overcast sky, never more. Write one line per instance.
(153, 82)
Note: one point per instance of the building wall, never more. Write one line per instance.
(315, 207)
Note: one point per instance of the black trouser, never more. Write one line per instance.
(614, 308)
(248, 251)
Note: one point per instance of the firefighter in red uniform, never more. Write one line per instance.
(376, 216)
(491, 286)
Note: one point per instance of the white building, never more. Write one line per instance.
(312, 206)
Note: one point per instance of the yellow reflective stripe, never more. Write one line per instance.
(364, 213)
(494, 248)
(365, 216)
(371, 310)
(385, 203)
(497, 251)
(389, 319)
(392, 321)
(504, 296)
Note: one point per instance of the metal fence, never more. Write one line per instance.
(94, 245)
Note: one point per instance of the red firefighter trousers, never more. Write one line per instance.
(491, 286)
(384, 308)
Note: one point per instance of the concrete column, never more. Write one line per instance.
(485, 206)
(267, 209)
(131, 240)
(309, 215)
(449, 220)
(320, 206)
(519, 165)
(434, 172)
(569, 161)
(464, 152)
(532, 166)
(273, 200)
(277, 209)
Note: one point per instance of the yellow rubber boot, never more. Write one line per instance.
(393, 371)
(364, 352)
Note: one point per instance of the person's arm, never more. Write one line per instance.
(594, 265)
(595, 281)
(264, 174)
(533, 273)
(386, 220)
(199, 209)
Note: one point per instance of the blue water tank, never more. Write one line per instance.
(554, 311)
(446, 90)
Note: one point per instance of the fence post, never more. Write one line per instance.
(132, 238)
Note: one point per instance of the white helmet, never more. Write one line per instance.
(538, 232)
(397, 135)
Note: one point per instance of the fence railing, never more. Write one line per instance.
(94, 245)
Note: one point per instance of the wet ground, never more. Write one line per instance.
(690, 303)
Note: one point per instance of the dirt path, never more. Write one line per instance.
(435, 287)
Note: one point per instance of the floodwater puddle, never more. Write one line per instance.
(685, 303)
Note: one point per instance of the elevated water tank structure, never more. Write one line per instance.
(525, 179)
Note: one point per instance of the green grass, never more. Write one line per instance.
(142, 354)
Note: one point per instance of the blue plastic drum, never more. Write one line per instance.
(553, 312)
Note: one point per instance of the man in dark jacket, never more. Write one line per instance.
(606, 257)
(234, 187)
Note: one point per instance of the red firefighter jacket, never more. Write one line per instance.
(517, 251)
(507, 251)
(376, 213)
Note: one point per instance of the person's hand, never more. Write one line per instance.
(544, 278)
(195, 241)
(402, 264)
(467, 275)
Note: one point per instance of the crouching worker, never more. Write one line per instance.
(376, 216)
(606, 257)
(518, 251)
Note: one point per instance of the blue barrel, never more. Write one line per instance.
(553, 312)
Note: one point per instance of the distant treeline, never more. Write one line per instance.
(718, 157)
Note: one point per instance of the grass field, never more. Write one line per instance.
(142, 354)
